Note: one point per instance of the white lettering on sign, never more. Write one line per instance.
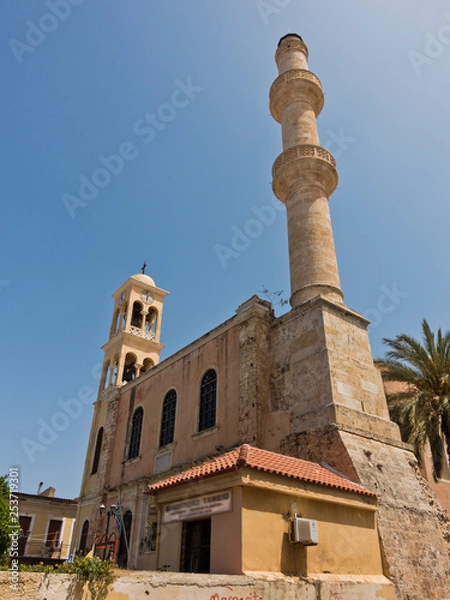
(202, 506)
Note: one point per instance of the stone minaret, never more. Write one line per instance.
(323, 373)
(304, 175)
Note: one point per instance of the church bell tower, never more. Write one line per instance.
(132, 349)
(134, 344)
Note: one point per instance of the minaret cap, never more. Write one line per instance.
(289, 35)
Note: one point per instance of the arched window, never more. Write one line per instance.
(168, 418)
(136, 430)
(98, 450)
(83, 537)
(208, 397)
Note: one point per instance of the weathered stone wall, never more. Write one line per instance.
(255, 319)
(412, 526)
(142, 585)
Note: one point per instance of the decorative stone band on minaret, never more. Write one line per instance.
(304, 175)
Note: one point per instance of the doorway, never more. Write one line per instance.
(196, 546)
(124, 543)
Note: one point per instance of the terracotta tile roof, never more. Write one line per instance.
(263, 460)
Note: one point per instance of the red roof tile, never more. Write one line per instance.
(263, 460)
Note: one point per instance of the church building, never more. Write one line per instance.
(265, 445)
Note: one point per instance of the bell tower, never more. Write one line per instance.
(132, 349)
(134, 344)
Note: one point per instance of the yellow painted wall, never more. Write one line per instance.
(42, 510)
(348, 539)
(170, 546)
(226, 538)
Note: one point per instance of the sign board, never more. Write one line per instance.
(201, 506)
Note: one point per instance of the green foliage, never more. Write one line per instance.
(97, 573)
(421, 405)
(36, 568)
(5, 519)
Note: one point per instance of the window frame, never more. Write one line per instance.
(168, 418)
(207, 402)
(97, 450)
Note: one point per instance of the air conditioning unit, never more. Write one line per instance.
(303, 531)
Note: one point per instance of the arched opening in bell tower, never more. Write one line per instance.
(105, 376)
(151, 319)
(115, 325)
(123, 320)
(148, 364)
(136, 315)
(129, 369)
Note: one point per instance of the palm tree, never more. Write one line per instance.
(421, 406)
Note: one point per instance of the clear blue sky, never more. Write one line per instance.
(82, 91)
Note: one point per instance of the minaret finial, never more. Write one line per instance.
(143, 268)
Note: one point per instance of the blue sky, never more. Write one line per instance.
(82, 91)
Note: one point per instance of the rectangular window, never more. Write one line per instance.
(53, 533)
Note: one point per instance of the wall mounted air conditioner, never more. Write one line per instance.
(303, 531)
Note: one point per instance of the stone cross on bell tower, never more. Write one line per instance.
(304, 175)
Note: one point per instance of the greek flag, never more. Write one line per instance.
(118, 520)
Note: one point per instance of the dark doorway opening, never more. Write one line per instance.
(196, 546)
(25, 523)
(125, 537)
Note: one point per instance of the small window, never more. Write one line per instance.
(98, 450)
(208, 396)
(136, 430)
(168, 418)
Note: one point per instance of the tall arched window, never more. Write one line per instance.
(83, 537)
(208, 397)
(168, 418)
(136, 431)
(98, 450)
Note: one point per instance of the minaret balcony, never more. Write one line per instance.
(294, 86)
(306, 163)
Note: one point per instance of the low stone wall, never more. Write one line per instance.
(145, 585)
